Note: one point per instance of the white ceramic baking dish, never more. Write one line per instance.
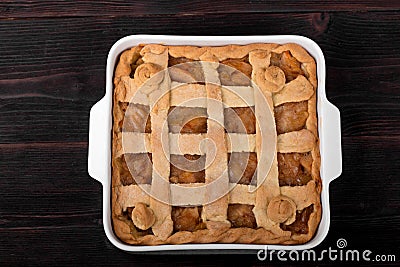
(99, 162)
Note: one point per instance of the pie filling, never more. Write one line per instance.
(289, 64)
(294, 168)
(235, 72)
(241, 215)
(242, 167)
(291, 116)
(300, 225)
(139, 171)
(187, 120)
(186, 169)
(172, 61)
(240, 120)
(185, 70)
(137, 119)
(187, 219)
(124, 175)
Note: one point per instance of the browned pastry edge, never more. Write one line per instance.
(221, 235)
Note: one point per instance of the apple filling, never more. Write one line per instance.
(289, 64)
(294, 168)
(241, 215)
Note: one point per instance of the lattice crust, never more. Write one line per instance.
(285, 209)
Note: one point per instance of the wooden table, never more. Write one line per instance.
(52, 70)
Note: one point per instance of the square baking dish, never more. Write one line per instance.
(99, 155)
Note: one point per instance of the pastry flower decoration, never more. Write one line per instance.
(282, 209)
(142, 216)
(146, 71)
(272, 78)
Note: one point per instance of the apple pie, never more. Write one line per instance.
(215, 145)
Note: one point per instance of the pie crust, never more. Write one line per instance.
(284, 209)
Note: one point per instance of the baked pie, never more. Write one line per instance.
(215, 145)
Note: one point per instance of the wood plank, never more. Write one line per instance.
(47, 179)
(53, 48)
(48, 8)
(369, 166)
(35, 119)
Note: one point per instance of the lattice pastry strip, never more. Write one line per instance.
(269, 79)
(159, 103)
(215, 213)
(180, 144)
(268, 186)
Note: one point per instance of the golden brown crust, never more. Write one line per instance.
(281, 202)
(126, 59)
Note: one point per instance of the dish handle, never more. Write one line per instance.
(99, 146)
(332, 138)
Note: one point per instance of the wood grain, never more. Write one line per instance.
(61, 47)
(145, 8)
(52, 70)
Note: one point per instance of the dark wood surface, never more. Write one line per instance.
(52, 70)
